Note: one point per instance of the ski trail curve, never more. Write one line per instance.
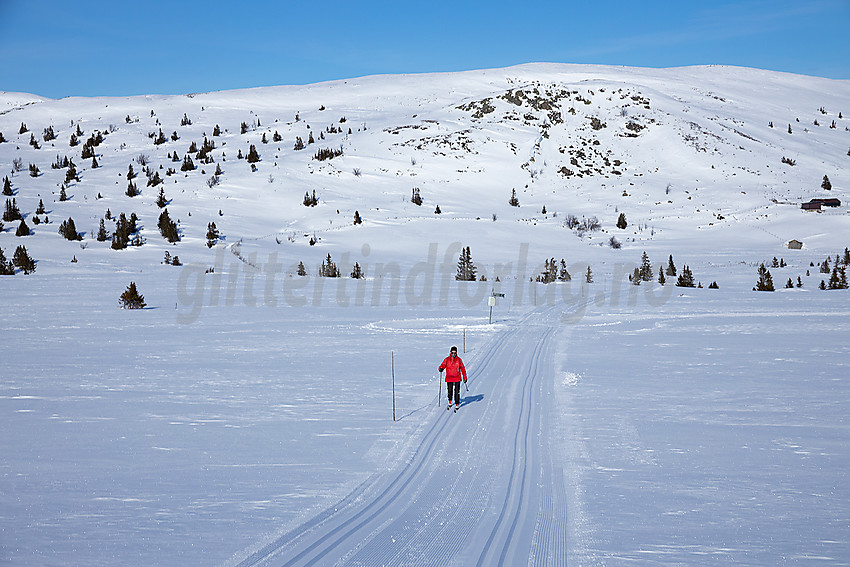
(479, 489)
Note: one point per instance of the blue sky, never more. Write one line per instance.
(57, 48)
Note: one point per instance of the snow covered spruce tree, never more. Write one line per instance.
(838, 279)
(686, 278)
(123, 230)
(7, 268)
(23, 260)
(466, 270)
(765, 281)
(167, 227)
(645, 271)
(621, 221)
(253, 156)
(131, 298)
(212, 235)
(671, 267)
(102, 233)
(69, 230)
(12, 212)
(23, 229)
(328, 269)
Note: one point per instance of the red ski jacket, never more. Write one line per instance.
(454, 368)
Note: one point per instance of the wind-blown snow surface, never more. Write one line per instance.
(245, 416)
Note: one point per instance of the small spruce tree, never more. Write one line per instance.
(645, 271)
(253, 156)
(167, 227)
(765, 281)
(102, 233)
(69, 230)
(466, 270)
(671, 267)
(212, 235)
(131, 298)
(686, 278)
(621, 221)
(23, 229)
(7, 268)
(23, 260)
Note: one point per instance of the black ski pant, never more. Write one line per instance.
(454, 386)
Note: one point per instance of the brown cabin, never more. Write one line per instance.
(795, 245)
(811, 206)
(827, 202)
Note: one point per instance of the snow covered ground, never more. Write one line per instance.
(710, 430)
(245, 416)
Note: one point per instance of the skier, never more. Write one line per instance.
(454, 368)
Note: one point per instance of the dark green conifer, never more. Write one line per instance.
(22, 260)
(131, 298)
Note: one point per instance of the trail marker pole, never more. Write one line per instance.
(491, 301)
(392, 366)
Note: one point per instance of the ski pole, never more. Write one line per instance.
(467, 385)
(440, 386)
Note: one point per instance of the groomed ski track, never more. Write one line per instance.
(480, 489)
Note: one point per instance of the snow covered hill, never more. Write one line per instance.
(695, 158)
(244, 417)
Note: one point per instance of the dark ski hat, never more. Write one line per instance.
(453, 349)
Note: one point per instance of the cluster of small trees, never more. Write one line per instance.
(838, 273)
(554, 271)
(584, 225)
(167, 227)
(323, 154)
(644, 273)
(12, 212)
(466, 269)
(310, 201)
(170, 260)
(21, 260)
(124, 229)
(765, 281)
(212, 235)
(69, 230)
(328, 269)
(131, 298)
(836, 268)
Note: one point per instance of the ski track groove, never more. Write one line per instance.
(429, 511)
(520, 461)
